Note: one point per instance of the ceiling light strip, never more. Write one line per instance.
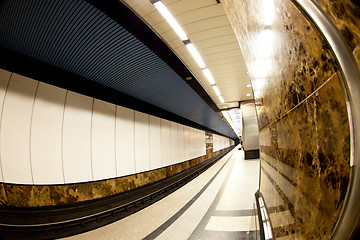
(217, 91)
(170, 19)
(229, 120)
(221, 100)
(209, 76)
(195, 54)
(191, 48)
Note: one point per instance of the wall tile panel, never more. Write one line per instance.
(174, 142)
(181, 142)
(4, 81)
(76, 138)
(15, 130)
(187, 143)
(142, 142)
(103, 140)
(46, 135)
(125, 141)
(165, 142)
(155, 142)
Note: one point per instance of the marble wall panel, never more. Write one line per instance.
(304, 126)
(283, 52)
(346, 16)
(3, 197)
(307, 161)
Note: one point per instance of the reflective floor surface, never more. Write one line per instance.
(218, 204)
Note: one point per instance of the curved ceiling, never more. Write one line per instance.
(77, 37)
(206, 24)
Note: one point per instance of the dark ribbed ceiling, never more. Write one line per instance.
(77, 37)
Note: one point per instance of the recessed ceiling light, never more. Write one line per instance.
(249, 85)
(248, 94)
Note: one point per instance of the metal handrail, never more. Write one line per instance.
(350, 215)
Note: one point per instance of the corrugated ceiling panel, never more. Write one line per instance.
(77, 37)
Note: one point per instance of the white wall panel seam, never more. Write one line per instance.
(31, 122)
(125, 145)
(62, 136)
(115, 162)
(134, 141)
(171, 144)
(172, 160)
(161, 146)
(116, 169)
(181, 151)
(46, 130)
(161, 152)
(149, 142)
(2, 109)
(177, 144)
(91, 127)
(142, 142)
(103, 160)
(184, 139)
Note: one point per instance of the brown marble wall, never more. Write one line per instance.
(15, 195)
(304, 129)
(346, 16)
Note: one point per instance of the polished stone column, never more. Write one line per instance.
(302, 113)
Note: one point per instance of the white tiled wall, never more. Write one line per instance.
(174, 142)
(142, 142)
(155, 142)
(76, 140)
(187, 143)
(15, 130)
(220, 142)
(46, 131)
(49, 135)
(4, 81)
(165, 142)
(103, 140)
(181, 142)
(125, 141)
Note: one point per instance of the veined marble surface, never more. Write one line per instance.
(303, 120)
(346, 16)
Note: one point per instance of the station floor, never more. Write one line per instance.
(218, 204)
